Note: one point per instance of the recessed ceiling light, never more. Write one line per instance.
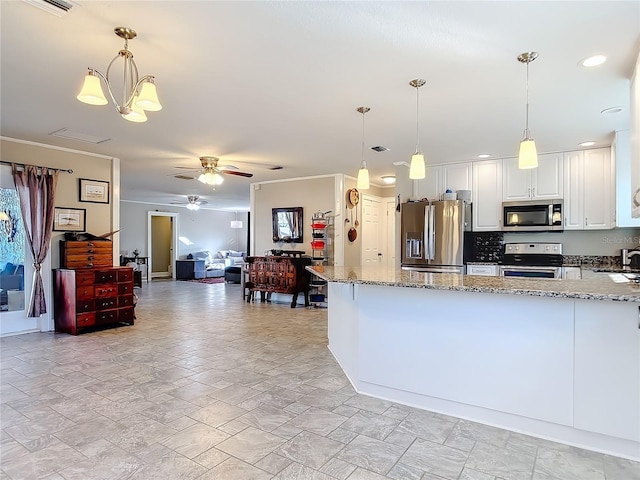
(586, 144)
(484, 155)
(389, 179)
(593, 61)
(612, 110)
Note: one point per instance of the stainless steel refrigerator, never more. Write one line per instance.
(433, 235)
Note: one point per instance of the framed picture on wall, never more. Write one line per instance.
(69, 219)
(94, 191)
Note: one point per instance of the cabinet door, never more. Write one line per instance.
(429, 186)
(456, 177)
(598, 213)
(516, 181)
(573, 191)
(607, 368)
(546, 180)
(487, 195)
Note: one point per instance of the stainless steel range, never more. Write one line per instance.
(532, 260)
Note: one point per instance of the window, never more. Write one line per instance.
(12, 252)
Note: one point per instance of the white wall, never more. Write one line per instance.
(199, 230)
(312, 194)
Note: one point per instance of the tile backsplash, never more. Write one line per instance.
(608, 261)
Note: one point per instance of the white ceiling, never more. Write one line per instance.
(279, 83)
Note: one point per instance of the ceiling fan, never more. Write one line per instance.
(211, 172)
(193, 202)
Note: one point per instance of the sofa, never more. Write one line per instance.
(216, 264)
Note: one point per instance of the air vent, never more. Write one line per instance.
(380, 148)
(55, 7)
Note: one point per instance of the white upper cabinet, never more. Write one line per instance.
(621, 158)
(439, 178)
(543, 182)
(457, 176)
(588, 200)
(487, 196)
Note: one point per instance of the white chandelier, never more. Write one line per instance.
(139, 94)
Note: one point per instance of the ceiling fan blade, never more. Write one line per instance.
(260, 165)
(227, 167)
(239, 174)
(201, 202)
(184, 177)
(187, 168)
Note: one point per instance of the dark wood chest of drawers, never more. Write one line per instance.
(91, 297)
(86, 254)
(279, 275)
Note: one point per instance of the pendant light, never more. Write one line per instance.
(363, 173)
(528, 155)
(416, 168)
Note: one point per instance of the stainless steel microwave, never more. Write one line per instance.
(533, 216)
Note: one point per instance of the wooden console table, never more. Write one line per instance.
(278, 275)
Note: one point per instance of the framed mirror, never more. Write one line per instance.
(287, 224)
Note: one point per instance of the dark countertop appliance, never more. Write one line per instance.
(532, 260)
(433, 235)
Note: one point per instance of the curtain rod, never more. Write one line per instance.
(67, 170)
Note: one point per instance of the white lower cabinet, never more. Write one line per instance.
(607, 368)
(571, 273)
(483, 270)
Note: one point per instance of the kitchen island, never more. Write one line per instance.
(558, 359)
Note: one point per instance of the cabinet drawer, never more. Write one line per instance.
(86, 320)
(84, 305)
(125, 301)
(125, 275)
(87, 261)
(84, 278)
(104, 291)
(126, 314)
(106, 276)
(125, 288)
(106, 316)
(85, 292)
(106, 303)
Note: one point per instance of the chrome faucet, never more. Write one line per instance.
(626, 256)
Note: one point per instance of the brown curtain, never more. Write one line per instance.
(36, 192)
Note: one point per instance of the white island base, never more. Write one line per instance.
(563, 369)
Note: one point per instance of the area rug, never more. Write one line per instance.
(207, 280)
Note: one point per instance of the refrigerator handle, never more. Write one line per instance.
(432, 233)
(426, 232)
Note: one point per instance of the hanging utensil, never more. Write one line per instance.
(356, 222)
(353, 234)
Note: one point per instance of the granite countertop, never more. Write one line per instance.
(598, 287)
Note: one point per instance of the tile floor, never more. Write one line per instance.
(205, 386)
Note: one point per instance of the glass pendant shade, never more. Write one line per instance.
(217, 179)
(91, 91)
(136, 114)
(363, 177)
(528, 155)
(148, 98)
(193, 206)
(416, 167)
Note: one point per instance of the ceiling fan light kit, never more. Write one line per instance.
(416, 167)
(139, 93)
(528, 154)
(363, 172)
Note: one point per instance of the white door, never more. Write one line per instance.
(389, 233)
(371, 231)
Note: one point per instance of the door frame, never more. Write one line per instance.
(175, 224)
